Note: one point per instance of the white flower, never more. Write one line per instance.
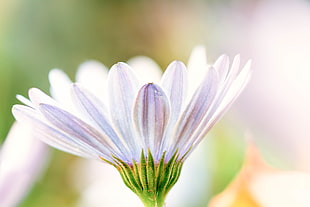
(129, 116)
(22, 159)
(116, 117)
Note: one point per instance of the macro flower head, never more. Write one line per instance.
(145, 129)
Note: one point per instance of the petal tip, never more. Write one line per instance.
(54, 72)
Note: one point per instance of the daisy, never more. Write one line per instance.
(145, 129)
(22, 159)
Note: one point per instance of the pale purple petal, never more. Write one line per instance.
(37, 97)
(123, 87)
(151, 115)
(232, 73)
(22, 160)
(96, 111)
(236, 86)
(174, 83)
(196, 110)
(222, 103)
(75, 127)
(52, 136)
(221, 65)
(225, 86)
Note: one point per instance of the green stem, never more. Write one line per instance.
(157, 202)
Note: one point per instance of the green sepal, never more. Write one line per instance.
(150, 180)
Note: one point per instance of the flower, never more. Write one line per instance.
(259, 185)
(22, 159)
(146, 130)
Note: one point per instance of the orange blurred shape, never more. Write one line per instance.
(258, 185)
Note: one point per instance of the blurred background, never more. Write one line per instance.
(36, 36)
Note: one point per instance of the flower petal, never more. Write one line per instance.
(197, 67)
(50, 135)
(232, 73)
(221, 65)
(93, 76)
(195, 111)
(75, 127)
(96, 111)
(146, 69)
(60, 86)
(174, 83)
(37, 97)
(25, 101)
(23, 159)
(122, 89)
(237, 85)
(151, 115)
(223, 101)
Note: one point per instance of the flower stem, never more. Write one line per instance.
(157, 202)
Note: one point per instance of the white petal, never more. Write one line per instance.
(197, 67)
(146, 69)
(122, 88)
(223, 103)
(232, 73)
(75, 127)
(174, 83)
(226, 85)
(60, 86)
(37, 97)
(196, 110)
(25, 101)
(51, 135)
(198, 57)
(93, 76)
(221, 65)
(22, 160)
(96, 111)
(151, 115)
(231, 87)
(236, 86)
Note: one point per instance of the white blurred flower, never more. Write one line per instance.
(22, 159)
(100, 186)
(165, 120)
